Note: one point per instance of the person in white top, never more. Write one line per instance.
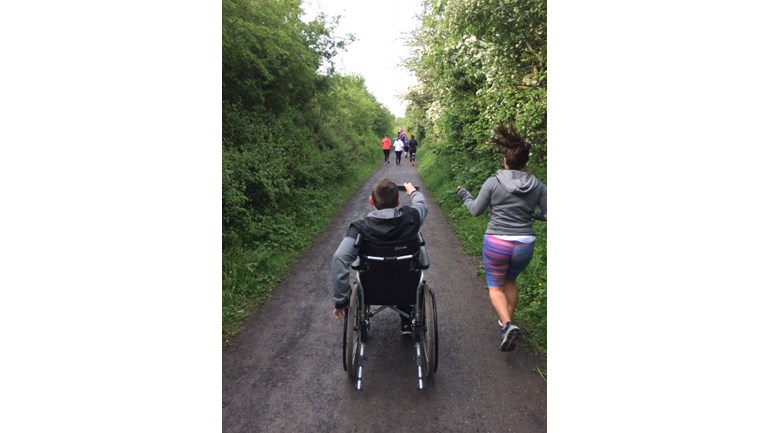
(398, 147)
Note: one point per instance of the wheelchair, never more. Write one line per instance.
(389, 275)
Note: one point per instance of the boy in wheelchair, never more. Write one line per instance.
(388, 224)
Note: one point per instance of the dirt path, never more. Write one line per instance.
(284, 372)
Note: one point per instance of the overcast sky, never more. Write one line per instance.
(379, 51)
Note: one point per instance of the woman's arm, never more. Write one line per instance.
(477, 206)
(543, 205)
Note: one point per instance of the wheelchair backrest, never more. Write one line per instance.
(390, 273)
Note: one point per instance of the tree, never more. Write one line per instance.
(480, 62)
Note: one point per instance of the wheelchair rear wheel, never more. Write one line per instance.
(351, 337)
(430, 332)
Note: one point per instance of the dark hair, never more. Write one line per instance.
(385, 194)
(516, 149)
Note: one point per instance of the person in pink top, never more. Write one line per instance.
(386, 148)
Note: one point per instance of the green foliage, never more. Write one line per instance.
(479, 63)
(250, 273)
(295, 143)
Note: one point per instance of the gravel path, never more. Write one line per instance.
(284, 373)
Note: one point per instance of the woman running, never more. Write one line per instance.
(509, 241)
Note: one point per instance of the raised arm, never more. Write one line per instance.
(477, 206)
(418, 200)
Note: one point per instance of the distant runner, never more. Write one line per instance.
(386, 148)
(412, 149)
(398, 147)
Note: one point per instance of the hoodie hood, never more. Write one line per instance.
(515, 181)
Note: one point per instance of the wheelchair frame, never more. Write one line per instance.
(356, 324)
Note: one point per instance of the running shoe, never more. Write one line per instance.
(510, 333)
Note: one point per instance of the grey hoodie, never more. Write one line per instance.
(511, 196)
(387, 223)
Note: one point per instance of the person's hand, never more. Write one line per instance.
(458, 188)
(339, 313)
(409, 188)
